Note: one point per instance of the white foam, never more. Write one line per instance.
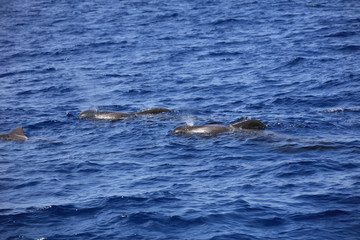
(341, 110)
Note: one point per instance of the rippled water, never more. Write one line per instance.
(294, 65)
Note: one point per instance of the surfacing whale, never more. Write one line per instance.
(216, 129)
(16, 135)
(96, 115)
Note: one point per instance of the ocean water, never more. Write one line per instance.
(294, 65)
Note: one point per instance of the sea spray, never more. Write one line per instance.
(189, 120)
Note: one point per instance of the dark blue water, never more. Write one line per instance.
(294, 65)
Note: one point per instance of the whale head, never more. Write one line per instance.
(181, 130)
(87, 114)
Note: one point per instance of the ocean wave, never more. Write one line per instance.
(321, 215)
(342, 34)
(294, 147)
(225, 21)
(53, 90)
(10, 74)
(291, 63)
(342, 110)
(350, 48)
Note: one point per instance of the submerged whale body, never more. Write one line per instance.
(16, 135)
(96, 115)
(216, 129)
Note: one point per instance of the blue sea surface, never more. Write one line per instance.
(294, 65)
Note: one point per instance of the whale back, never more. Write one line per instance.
(16, 135)
(249, 124)
(204, 129)
(96, 115)
(153, 111)
(91, 114)
(112, 115)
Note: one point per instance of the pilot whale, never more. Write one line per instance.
(16, 135)
(96, 115)
(216, 129)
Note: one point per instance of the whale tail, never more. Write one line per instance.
(17, 134)
(153, 111)
(249, 124)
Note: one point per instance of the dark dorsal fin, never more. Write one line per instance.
(17, 133)
(153, 111)
(249, 124)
